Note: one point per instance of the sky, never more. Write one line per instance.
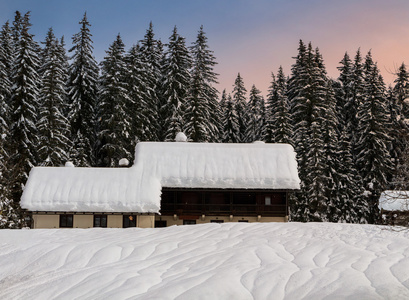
(253, 37)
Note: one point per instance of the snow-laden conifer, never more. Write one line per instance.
(230, 122)
(240, 102)
(255, 110)
(278, 127)
(202, 108)
(175, 85)
(150, 52)
(373, 158)
(114, 119)
(53, 126)
(24, 111)
(82, 89)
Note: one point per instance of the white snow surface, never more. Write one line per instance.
(394, 200)
(157, 165)
(209, 261)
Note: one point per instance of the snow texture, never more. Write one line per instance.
(157, 165)
(209, 261)
(394, 201)
(181, 137)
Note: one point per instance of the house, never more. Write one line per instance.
(394, 207)
(169, 184)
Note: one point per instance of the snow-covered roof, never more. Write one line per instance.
(394, 201)
(157, 165)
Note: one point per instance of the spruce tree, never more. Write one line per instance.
(278, 124)
(202, 108)
(82, 89)
(115, 122)
(175, 86)
(255, 109)
(230, 122)
(240, 101)
(24, 111)
(373, 158)
(399, 133)
(139, 90)
(150, 52)
(53, 126)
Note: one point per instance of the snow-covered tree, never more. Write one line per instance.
(230, 122)
(255, 110)
(278, 121)
(82, 88)
(240, 102)
(115, 122)
(24, 111)
(202, 108)
(373, 158)
(175, 85)
(53, 126)
(150, 52)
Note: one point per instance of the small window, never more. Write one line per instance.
(244, 221)
(66, 221)
(129, 221)
(267, 200)
(100, 221)
(189, 222)
(216, 221)
(160, 223)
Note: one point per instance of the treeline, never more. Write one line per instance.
(350, 134)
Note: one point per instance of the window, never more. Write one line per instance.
(189, 222)
(100, 221)
(244, 221)
(216, 221)
(66, 221)
(267, 200)
(129, 221)
(160, 223)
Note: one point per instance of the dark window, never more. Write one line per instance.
(129, 221)
(66, 221)
(189, 222)
(244, 221)
(159, 224)
(216, 221)
(100, 221)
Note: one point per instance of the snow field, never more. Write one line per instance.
(210, 261)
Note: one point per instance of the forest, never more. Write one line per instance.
(351, 133)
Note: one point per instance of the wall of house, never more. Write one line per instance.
(170, 220)
(83, 221)
(115, 221)
(146, 221)
(46, 221)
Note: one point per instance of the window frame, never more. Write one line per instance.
(66, 223)
(101, 216)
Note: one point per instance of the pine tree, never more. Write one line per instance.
(151, 54)
(202, 107)
(255, 109)
(82, 88)
(278, 124)
(139, 90)
(24, 111)
(53, 126)
(239, 98)
(399, 133)
(373, 158)
(230, 122)
(175, 86)
(114, 118)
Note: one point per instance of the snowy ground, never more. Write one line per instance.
(211, 261)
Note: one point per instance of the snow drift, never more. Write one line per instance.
(210, 261)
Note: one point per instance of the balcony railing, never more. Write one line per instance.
(274, 210)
